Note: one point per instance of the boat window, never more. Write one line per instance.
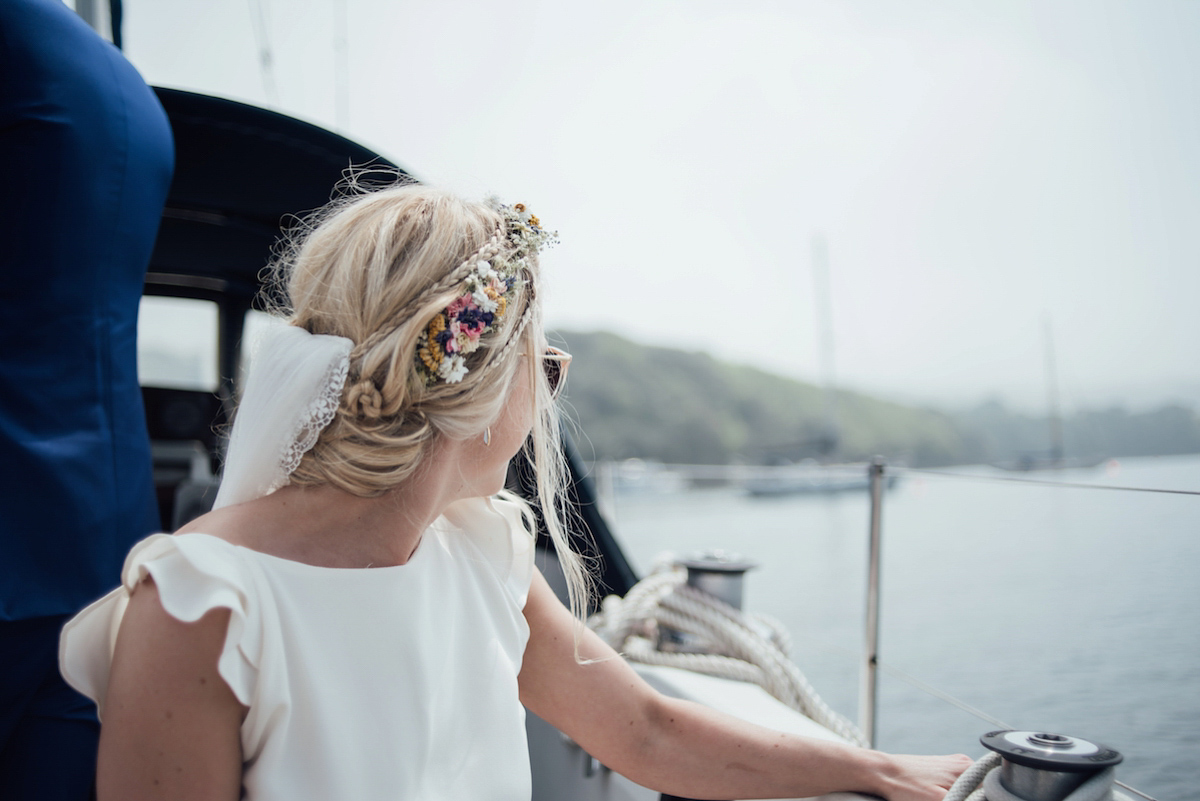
(177, 343)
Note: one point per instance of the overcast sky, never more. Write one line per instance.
(975, 168)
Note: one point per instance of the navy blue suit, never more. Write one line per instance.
(86, 158)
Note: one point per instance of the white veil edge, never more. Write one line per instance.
(292, 393)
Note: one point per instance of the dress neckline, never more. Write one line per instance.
(418, 554)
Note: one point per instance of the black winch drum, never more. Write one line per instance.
(1038, 766)
(717, 573)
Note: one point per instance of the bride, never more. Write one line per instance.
(360, 616)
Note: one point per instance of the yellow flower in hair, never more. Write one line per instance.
(436, 326)
(434, 350)
(426, 357)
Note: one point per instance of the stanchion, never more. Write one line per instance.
(868, 692)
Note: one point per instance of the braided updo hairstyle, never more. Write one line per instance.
(375, 266)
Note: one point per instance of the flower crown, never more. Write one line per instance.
(454, 333)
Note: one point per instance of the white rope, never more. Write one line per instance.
(750, 648)
(981, 782)
(972, 778)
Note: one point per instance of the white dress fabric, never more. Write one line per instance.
(392, 683)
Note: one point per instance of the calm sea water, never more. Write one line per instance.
(1067, 610)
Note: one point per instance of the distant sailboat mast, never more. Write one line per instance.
(1057, 451)
(1057, 458)
(341, 66)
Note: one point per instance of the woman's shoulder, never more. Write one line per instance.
(191, 584)
(499, 528)
(232, 524)
(187, 562)
(250, 526)
(498, 515)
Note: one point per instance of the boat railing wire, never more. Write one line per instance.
(738, 473)
(1035, 481)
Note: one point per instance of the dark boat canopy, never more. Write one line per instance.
(240, 172)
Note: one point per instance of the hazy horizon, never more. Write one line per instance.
(190, 361)
(975, 169)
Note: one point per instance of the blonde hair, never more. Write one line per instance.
(375, 266)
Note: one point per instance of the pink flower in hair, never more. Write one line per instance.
(459, 304)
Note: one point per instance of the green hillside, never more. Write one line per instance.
(675, 406)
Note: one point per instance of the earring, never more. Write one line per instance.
(487, 436)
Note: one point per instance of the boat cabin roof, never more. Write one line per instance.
(240, 172)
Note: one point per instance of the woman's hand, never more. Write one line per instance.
(920, 778)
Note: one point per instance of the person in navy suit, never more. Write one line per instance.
(86, 158)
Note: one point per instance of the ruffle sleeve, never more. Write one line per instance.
(519, 567)
(194, 574)
(497, 529)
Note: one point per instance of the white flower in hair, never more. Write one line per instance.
(484, 270)
(452, 369)
(484, 302)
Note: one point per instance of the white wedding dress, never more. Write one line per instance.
(391, 683)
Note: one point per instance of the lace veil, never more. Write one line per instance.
(292, 393)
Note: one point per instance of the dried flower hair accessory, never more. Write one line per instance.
(455, 332)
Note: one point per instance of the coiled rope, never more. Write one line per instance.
(745, 647)
(981, 782)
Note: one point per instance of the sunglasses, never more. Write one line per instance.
(555, 362)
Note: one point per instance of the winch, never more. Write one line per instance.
(1040, 766)
(721, 575)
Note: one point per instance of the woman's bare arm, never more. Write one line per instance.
(686, 749)
(172, 726)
